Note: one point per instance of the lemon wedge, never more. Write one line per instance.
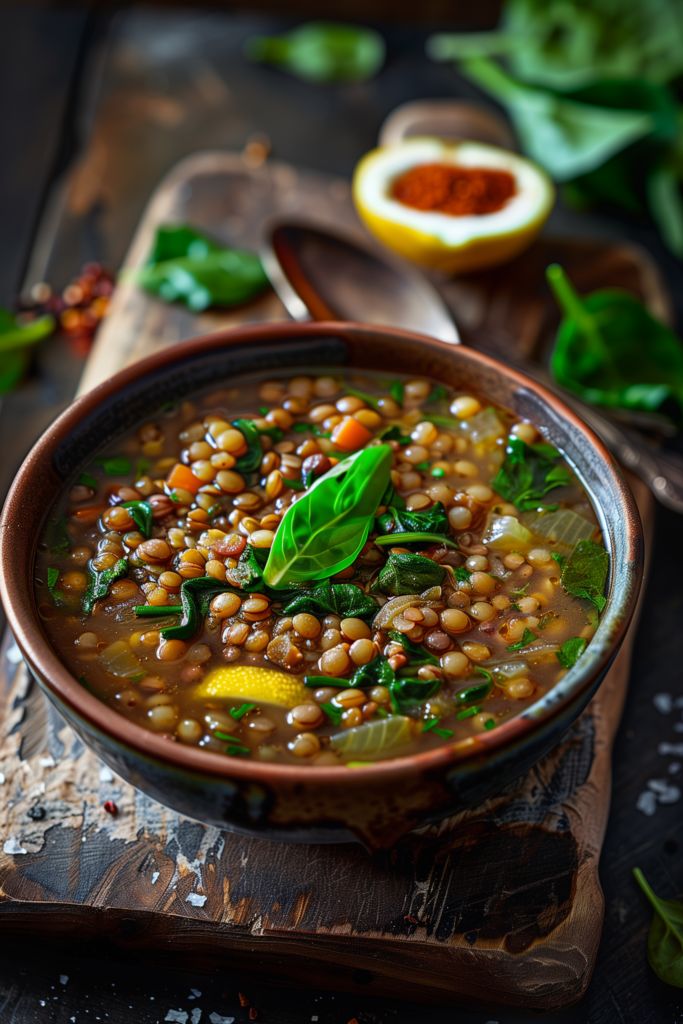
(251, 683)
(443, 241)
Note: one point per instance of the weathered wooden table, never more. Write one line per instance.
(148, 89)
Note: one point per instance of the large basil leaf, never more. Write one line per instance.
(405, 573)
(344, 599)
(324, 531)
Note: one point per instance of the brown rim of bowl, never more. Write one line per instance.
(19, 600)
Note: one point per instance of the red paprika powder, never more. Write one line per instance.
(458, 191)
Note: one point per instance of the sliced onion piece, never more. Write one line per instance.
(508, 669)
(388, 612)
(374, 738)
(562, 527)
(506, 533)
(484, 426)
(118, 659)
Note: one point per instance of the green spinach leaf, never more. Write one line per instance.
(344, 599)
(612, 352)
(528, 637)
(584, 574)
(570, 651)
(16, 341)
(187, 266)
(322, 52)
(325, 530)
(665, 941)
(418, 655)
(248, 573)
(405, 573)
(529, 472)
(399, 520)
(143, 515)
(100, 582)
(195, 596)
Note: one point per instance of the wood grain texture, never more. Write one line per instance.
(502, 904)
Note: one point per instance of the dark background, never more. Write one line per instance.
(89, 121)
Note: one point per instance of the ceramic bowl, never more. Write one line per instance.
(380, 802)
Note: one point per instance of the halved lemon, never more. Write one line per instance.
(453, 243)
(251, 683)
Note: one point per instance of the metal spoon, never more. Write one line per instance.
(322, 275)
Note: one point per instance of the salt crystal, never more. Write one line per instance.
(674, 768)
(47, 762)
(647, 802)
(670, 748)
(666, 793)
(13, 846)
(14, 655)
(63, 979)
(663, 702)
(195, 993)
(155, 877)
(195, 899)
(177, 1016)
(106, 775)
(216, 1018)
(196, 1015)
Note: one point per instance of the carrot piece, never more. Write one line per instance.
(350, 434)
(181, 476)
(88, 513)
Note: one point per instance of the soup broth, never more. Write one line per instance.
(323, 569)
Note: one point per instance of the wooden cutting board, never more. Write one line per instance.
(499, 905)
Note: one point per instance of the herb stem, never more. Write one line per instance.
(157, 611)
(573, 308)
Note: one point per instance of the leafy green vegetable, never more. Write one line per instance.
(377, 672)
(52, 581)
(332, 712)
(241, 711)
(143, 515)
(115, 465)
(566, 45)
(157, 611)
(528, 473)
(431, 724)
(570, 651)
(418, 655)
(100, 582)
(612, 352)
(187, 266)
(248, 573)
(387, 539)
(468, 713)
(528, 637)
(16, 341)
(395, 434)
(88, 480)
(343, 599)
(407, 692)
(462, 574)
(475, 693)
(322, 52)
(399, 520)
(405, 573)
(195, 596)
(584, 574)
(324, 531)
(665, 941)
(397, 390)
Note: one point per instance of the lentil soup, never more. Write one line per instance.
(323, 569)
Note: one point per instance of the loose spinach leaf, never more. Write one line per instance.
(143, 515)
(377, 672)
(665, 941)
(343, 599)
(100, 582)
(611, 351)
(528, 637)
(395, 434)
(399, 520)
(16, 341)
(418, 655)
(52, 580)
(400, 539)
(397, 390)
(195, 596)
(405, 573)
(115, 465)
(251, 460)
(462, 574)
(248, 573)
(322, 52)
(528, 473)
(476, 692)
(584, 574)
(187, 266)
(332, 712)
(406, 693)
(570, 651)
(325, 529)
